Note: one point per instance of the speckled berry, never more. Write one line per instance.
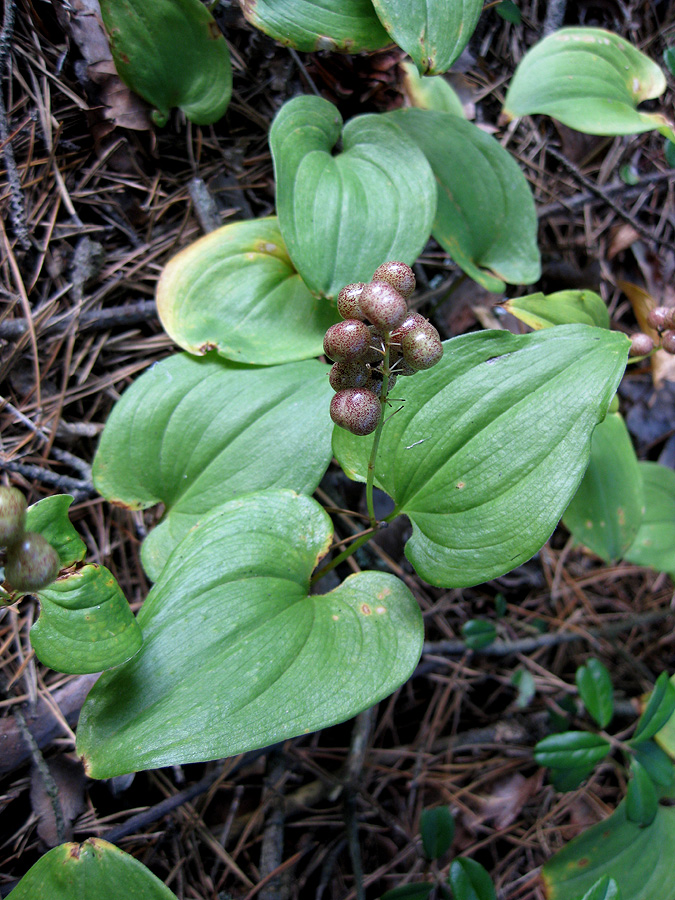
(668, 341)
(346, 341)
(12, 515)
(398, 275)
(382, 305)
(422, 347)
(349, 375)
(412, 320)
(376, 383)
(32, 563)
(661, 317)
(348, 301)
(640, 344)
(356, 409)
(405, 369)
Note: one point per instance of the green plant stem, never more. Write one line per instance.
(378, 434)
(353, 547)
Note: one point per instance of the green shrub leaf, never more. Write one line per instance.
(654, 543)
(478, 633)
(659, 709)
(85, 624)
(342, 216)
(192, 433)
(309, 25)
(94, 870)
(562, 308)
(172, 53)
(236, 291)
(606, 512)
(437, 827)
(656, 762)
(433, 32)
(49, 517)
(236, 654)
(485, 218)
(469, 881)
(641, 799)
(596, 691)
(571, 750)
(490, 445)
(590, 80)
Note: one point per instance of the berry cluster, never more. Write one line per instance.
(661, 319)
(31, 563)
(369, 357)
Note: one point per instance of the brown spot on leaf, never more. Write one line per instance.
(214, 31)
(365, 609)
(206, 348)
(460, 485)
(74, 851)
(583, 862)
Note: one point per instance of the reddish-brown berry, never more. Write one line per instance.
(12, 515)
(349, 375)
(383, 305)
(412, 321)
(422, 347)
(348, 301)
(32, 563)
(661, 317)
(668, 341)
(346, 341)
(640, 344)
(376, 383)
(356, 409)
(398, 275)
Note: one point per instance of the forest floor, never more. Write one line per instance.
(101, 201)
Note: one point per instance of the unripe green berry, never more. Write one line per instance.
(422, 347)
(382, 305)
(357, 410)
(668, 341)
(346, 341)
(640, 344)
(12, 515)
(398, 275)
(32, 563)
(349, 375)
(348, 301)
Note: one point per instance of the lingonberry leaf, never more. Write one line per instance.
(596, 691)
(470, 881)
(571, 750)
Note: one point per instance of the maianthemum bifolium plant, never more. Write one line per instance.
(484, 441)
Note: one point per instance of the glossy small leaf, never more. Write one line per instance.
(565, 780)
(94, 870)
(490, 445)
(434, 32)
(654, 544)
(509, 12)
(607, 511)
(478, 633)
(437, 828)
(349, 26)
(561, 308)
(430, 92)
(571, 750)
(342, 215)
(641, 798)
(49, 517)
(639, 859)
(236, 291)
(659, 709)
(605, 888)
(238, 655)
(417, 890)
(590, 80)
(656, 762)
(485, 217)
(85, 623)
(470, 881)
(172, 53)
(192, 433)
(596, 691)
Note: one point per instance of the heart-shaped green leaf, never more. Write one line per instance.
(194, 432)
(590, 80)
(606, 512)
(485, 218)
(342, 216)
(85, 623)
(95, 870)
(236, 291)
(596, 691)
(237, 655)
(562, 308)
(639, 859)
(172, 53)
(605, 888)
(431, 92)
(490, 445)
(309, 25)
(49, 517)
(654, 543)
(433, 32)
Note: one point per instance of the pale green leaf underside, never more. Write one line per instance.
(236, 655)
(432, 32)
(640, 860)
(49, 517)
(485, 217)
(342, 216)
(590, 80)
(490, 445)
(85, 624)
(654, 543)
(94, 870)
(606, 512)
(172, 53)
(235, 290)
(194, 432)
(309, 25)
(561, 308)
